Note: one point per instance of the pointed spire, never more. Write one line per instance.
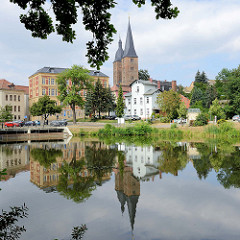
(129, 50)
(119, 53)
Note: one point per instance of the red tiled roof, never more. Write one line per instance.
(4, 84)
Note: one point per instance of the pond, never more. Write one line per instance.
(179, 190)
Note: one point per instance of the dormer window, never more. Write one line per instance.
(137, 88)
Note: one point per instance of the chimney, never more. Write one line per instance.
(158, 84)
(150, 79)
(174, 85)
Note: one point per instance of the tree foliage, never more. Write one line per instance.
(6, 113)
(120, 103)
(96, 18)
(169, 102)
(143, 75)
(70, 84)
(228, 87)
(99, 100)
(217, 110)
(44, 107)
(182, 110)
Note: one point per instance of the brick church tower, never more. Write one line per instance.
(125, 65)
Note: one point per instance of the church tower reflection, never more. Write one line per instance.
(127, 187)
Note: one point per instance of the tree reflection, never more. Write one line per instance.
(100, 160)
(45, 156)
(203, 165)
(229, 173)
(173, 159)
(74, 182)
(8, 228)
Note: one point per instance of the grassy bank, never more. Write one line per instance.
(224, 132)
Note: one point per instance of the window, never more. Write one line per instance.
(15, 117)
(137, 88)
(6, 97)
(135, 101)
(131, 60)
(147, 111)
(19, 117)
(147, 99)
(56, 93)
(135, 111)
(19, 98)
(129, 111)
(53, 91)
(43, 80)
(132, 77)
(15, 98)
(10, 97)
(15, 108)
(43, 91)
(52, 81)
(132, 68)
(141, 111)
(129, 101)
(19, 108)
(49, 91)
(141, 101)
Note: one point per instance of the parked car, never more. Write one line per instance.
(29, 123)
(37, 123)
(113, 117)
(9, 124)
(136, 117)
(128, 117)
(57, 123)
(235, 118)
(18, 123)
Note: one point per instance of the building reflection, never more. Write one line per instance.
(15, 158)
(47, 177)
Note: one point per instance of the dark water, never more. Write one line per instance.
(166, 191)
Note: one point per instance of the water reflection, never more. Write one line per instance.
(77, 169)
(14, 158)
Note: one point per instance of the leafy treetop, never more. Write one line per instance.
(95, 16)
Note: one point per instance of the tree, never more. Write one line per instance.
(211, 94)
(44, 107)
(143, 75)
(197, 77)
(70, 94)
(99, 99)
(217, 110)
(169, 102)
(120, 103)
(95, 16)
(182, 111)
(110, 104)
(6, 113)
(197, 95)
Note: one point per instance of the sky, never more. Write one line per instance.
(205, 37)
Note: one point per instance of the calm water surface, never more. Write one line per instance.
(166, 191)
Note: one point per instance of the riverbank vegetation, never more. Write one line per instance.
(225, 131)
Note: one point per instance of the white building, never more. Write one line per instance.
(142, 99)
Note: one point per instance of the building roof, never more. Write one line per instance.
(4, 84)
(144, 82)
(119, 53)
(194, 110)
(151, 91)
(56, 70)
(129, 94)
(129, 50)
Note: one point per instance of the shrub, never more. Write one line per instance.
(164, 120)
(201, 120)
(221, 121)
(173, 126)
